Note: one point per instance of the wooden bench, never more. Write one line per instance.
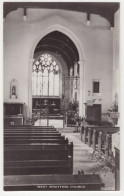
(32, 151)
(12, 140)
(89, 182)
(38, 167)
(28, 126)
(37, 130)
(30, 134)
(28, 153)
(37, 151)
(40, 128)
(89, 130)
(98, 137)
(33, 137)
(117, 169)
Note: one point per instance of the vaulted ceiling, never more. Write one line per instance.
(104, 9)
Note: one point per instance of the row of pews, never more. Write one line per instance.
(37, 150)
(99, 138)
(40, 158)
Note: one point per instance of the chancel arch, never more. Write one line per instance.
(69, 60)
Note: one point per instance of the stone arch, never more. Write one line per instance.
(63, 30)
(76, 41)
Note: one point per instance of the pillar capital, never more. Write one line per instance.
(31, 60)
(82, 89)
(81, 61)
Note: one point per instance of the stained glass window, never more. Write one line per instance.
(45, 76)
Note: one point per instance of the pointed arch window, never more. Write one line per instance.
(45, 76)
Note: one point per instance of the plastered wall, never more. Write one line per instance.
(116, 57)
(21, 37)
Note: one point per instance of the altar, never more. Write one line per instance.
(46, 105)
(57, 122)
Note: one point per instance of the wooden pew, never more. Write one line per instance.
(98, 137)
(18, 129)
(86, 182)
(24, 148)
(12, 140)
(85, 130)
(33, 137)
(104, 143)
(31, 134)
(39, 152)
(117, 169)
(38, 167)
(29, 126)
(40, 128)
(25, 129)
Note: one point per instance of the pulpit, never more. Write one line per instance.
(93, 113)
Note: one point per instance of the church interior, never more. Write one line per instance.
(61, 96)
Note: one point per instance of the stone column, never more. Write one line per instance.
(81, 89)
(75, 69)
(71, 71)
(29, 106)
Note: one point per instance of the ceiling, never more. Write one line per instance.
(104, 9)
(60, 44)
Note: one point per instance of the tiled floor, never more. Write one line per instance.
(83, 161)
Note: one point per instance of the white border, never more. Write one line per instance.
(122, 110)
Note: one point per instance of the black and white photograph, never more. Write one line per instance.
(61, 96)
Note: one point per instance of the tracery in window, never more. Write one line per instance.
(45, 76)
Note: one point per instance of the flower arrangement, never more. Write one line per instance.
(103, 163)
(72, 111)
(73, 106)
(114, 107)
(73, 117)
(78, 119)
(31, 121)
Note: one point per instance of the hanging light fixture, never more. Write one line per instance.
(25, 14)
(88, 19)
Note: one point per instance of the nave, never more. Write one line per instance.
(30, 160)
(52, 156)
